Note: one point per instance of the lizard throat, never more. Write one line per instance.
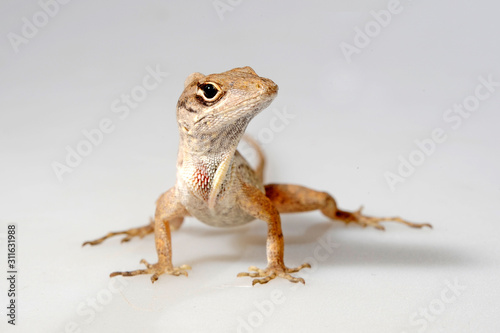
(206, 178)
(201, 179)
(207, 160)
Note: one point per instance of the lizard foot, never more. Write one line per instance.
(364, 221)
(156, 269)
(129, 234)
(272, 272)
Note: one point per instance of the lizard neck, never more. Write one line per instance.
(206, 158)
(213, 146)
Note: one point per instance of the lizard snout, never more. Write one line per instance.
(270, 87)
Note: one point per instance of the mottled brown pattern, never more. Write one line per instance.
(216, 184)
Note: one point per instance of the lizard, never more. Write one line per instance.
(216, 185)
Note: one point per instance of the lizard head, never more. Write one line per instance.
(210, 103)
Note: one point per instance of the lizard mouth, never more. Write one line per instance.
(200, 119)
(249, 108)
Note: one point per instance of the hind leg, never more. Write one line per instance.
(295, 198)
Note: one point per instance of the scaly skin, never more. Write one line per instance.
(215, 183)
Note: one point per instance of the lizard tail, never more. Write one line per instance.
(259, 170)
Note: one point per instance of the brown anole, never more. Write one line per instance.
(215, 183)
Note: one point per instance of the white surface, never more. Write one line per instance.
(352, 121)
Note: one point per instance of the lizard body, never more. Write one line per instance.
(210, 169)
(216, 184)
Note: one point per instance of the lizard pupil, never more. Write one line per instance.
(209, 90)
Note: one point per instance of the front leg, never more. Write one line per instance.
(167, 209)
(256, 204)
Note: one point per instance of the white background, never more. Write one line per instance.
(352, 120)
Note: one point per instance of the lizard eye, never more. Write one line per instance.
(210, 92)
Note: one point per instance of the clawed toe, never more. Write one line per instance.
(375, 222)
(265, 275)
(254, 272)
(296, 269)
(156, 270)
(264, 280)
(182, 270)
